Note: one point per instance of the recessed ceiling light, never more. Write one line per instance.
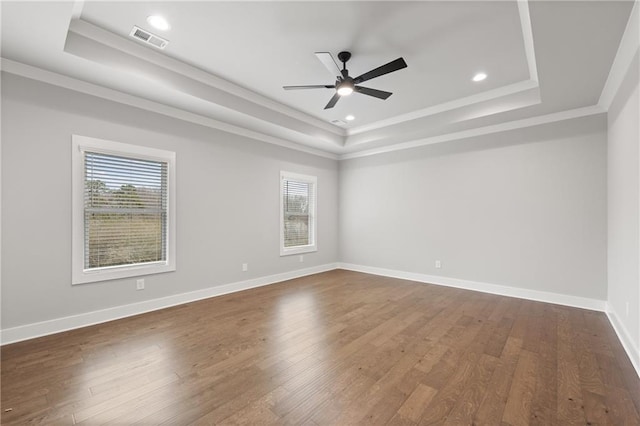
(349, 117)
(158, 22)
(479, 77)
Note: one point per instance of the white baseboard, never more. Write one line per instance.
(625, 338)
(30, 331)
(521, 293)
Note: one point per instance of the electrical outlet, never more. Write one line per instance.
(301, 258)
(245, 267)
(438, 264)
(140, 284)
(627, 308)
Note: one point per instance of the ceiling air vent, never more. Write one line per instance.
(338, 122)
(147, 37)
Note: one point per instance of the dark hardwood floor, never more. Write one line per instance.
(335, 348)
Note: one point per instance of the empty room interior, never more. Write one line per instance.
(320, 212)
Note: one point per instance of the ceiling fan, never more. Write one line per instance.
(345, 85)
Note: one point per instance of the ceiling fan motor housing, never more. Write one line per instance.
(344, 56)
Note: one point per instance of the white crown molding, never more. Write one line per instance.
(437, 124)
(57, 325)
(86, 32)
(76, 10)
(628, 48)
(489, 95)
(71, 83)
(173, 87)
(501, 290)
(527, 36)
(129, 47)
(480, 131)
(186, 71)
(93, 43)
(625, 337)
(38, 74)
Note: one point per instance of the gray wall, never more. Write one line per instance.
(524, 208)
(624, 204)
(227, 199)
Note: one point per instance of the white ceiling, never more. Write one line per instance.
(263, 46)
(226, 62)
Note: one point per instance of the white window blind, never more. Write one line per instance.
(125, 211)
(298, 199)
(124, 221)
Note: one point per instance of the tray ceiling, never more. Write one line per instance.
(227, 61)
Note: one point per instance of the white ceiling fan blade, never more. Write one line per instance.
(330, 63)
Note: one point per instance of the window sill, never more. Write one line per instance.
(297, 250)
(120, 272)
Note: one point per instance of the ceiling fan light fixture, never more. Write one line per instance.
(345, 88)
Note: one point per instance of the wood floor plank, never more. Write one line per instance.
(448, 392)
(570, 403)
(544, 403)
(492, 406)
(518, 407)
(468, 402)
(384, 392)
(341, 395)
(414, 406)
(496, 342)
(336, 348)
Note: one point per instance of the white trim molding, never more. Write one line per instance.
(501, 290)
(481, 131)
(625, 338)
(49, 77)
(482, 97)
(82, 273)
(97, 38)
(66, 82)
(628, 48)
(57, 325)
(527, 36)
(312, 199)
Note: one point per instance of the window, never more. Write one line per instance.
(123, 210)
(297, 213)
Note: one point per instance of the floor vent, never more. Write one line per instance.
(147, 37)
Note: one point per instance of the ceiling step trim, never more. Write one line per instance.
(38, 74)
(628, 48)
(527, 37)
(489, 95)
(162, 61)
(50, 77)
(481, 131)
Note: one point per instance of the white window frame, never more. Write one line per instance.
(80, 275)
(313, 246)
